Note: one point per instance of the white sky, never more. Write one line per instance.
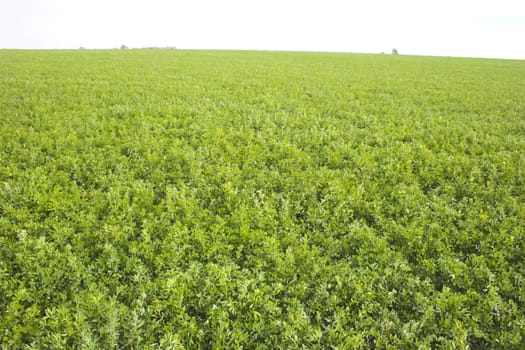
(494, 28)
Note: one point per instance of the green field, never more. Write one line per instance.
(170, 199)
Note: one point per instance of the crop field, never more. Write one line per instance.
(173, 199)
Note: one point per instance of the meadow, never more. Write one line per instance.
(172, 199)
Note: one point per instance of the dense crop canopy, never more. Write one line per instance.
(203, 199)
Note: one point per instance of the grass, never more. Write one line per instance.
(219, 199)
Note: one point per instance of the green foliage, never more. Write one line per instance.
(203, 199)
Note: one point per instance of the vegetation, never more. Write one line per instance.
(204, 199)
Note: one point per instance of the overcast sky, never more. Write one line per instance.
(494, 28)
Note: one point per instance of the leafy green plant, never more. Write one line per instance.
(205, 199)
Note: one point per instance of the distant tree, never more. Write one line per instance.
(394, 51)
(123, 47)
